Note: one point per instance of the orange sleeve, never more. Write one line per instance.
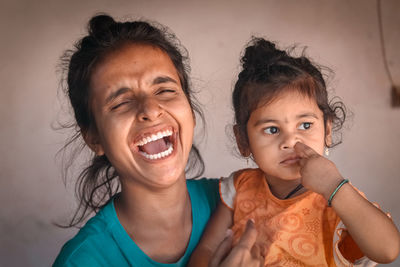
(348, 248)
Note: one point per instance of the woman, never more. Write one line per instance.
(129, 89)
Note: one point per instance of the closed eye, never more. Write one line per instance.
(164, 91)
(119, 105)
(305, 125)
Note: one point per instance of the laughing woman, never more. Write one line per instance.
(128, 85)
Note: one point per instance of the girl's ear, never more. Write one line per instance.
(243, 149)
(328, 133)
(92, 140)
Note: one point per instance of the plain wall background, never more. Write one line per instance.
(342, 35)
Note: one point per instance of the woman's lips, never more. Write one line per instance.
(153, 135)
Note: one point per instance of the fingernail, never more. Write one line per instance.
(251, 221)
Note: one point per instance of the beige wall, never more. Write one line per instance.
(340, 34)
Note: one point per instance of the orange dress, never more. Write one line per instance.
(300, 231)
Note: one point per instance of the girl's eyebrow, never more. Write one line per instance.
(264, 121)
(308, 114)
(300, 116)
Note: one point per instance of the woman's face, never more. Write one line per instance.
(144, 122)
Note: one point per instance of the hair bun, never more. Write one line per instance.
(100, 24)
(261, 53)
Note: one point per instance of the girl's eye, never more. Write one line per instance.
(271, 130)
(305, 126)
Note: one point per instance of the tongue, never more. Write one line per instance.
(154, 147)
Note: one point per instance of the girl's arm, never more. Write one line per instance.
(213, 235)
(375, 233)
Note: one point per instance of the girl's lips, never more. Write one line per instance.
(290, 160)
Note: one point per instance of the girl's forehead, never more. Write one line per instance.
(288, 102)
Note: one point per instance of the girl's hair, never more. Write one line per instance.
(267, 72)
(96, 184)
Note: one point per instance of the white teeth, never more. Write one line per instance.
(159, 155)
(154, 137)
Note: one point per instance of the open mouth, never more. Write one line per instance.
(157, 145)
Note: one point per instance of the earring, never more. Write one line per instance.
(326, 151)
(247, 159)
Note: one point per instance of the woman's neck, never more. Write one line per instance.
(162, 217)
(147, 206)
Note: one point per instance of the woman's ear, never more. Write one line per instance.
(92, 140)
(243, 149)
(328, 133)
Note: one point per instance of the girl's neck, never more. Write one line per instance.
(282, 188)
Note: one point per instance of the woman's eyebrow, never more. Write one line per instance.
(157, 80)
(163, 79)
(115, 94)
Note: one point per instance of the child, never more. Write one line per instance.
(305, 212)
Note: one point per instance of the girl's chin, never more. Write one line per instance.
(286, 175)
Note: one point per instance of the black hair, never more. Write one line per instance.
(97, 183)
(266, 72)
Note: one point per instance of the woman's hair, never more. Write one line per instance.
(96, 184)
(267, 72)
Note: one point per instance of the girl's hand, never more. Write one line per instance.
(245, 253)
(318, 174)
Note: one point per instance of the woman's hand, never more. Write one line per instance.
(318, 174)
(245, 253)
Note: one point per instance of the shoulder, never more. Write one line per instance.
(204, 189)
(248, 177)
(87, 247)
(235, 183)
(202, 183)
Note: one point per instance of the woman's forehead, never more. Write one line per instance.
(134, 61)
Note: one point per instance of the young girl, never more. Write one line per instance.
(305, 212)
(129, 88)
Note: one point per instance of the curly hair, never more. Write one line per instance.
(266, 72)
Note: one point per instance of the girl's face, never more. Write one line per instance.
(144, 122)
(273, 130)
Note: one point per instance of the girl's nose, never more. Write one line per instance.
(149, 109)
(288, 140)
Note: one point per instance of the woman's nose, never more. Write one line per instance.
(149, 109)
(288, 140)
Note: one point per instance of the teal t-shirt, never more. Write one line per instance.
(104, 242)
